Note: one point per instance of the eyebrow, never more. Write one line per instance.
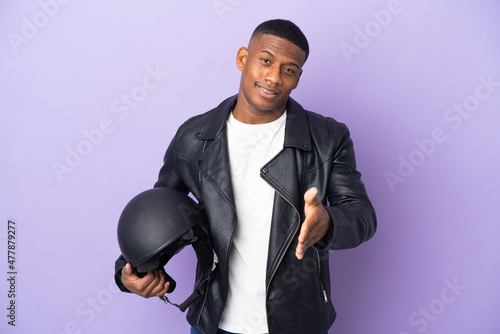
(288, 63)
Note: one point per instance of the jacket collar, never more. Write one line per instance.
(296, 131)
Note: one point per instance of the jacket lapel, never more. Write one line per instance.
(214, 159)
(285, 173)
(282, 175)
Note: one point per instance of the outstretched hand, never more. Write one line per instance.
(151, 285)
(316, 225)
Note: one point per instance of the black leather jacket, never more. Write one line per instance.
(317, 152)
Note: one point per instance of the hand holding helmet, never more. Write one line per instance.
(153, 284)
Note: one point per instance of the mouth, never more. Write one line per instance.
(266, 92)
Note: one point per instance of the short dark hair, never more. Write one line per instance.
(283, 29)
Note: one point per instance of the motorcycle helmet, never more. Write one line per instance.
(157, 224)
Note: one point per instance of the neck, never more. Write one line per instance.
(247, 114)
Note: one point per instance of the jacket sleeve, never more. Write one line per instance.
(169, 176)
(119, 264)
(353, 216)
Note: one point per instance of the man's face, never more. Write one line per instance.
(271, 68)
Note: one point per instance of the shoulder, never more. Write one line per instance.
(320, 125)
(208, 124)
(205, 126)
(316, 122)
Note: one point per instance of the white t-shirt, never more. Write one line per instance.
(251, 146)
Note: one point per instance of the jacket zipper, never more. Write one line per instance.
(203, 305)
(208, 283)
(282, 255)
(325, 296)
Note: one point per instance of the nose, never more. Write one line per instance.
(273, 75)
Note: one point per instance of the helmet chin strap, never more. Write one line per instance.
(197, 293)
(205, 256)
(184, 305)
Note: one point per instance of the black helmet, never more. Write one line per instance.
(157, 224)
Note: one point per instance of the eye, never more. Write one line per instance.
(265, 61)
(288, 70)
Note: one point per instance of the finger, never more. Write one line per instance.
(163, 286)
(141, 286)
(153, 278)
(311, 201)
(312, 231)
(302, 242)
(307, 241)
(305, 238)
(310, 240)
(299, 252)
(137, 285)
(158, 285)
(166, 286)
(164, 289)
(304, 231)
(310, 224)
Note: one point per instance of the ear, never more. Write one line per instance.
(241, 58)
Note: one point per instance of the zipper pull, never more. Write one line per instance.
(325, 297)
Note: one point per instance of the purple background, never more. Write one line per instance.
(395, 72)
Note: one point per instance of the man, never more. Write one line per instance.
(280, 189)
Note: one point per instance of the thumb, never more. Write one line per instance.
(127, 270)
(310, 196)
